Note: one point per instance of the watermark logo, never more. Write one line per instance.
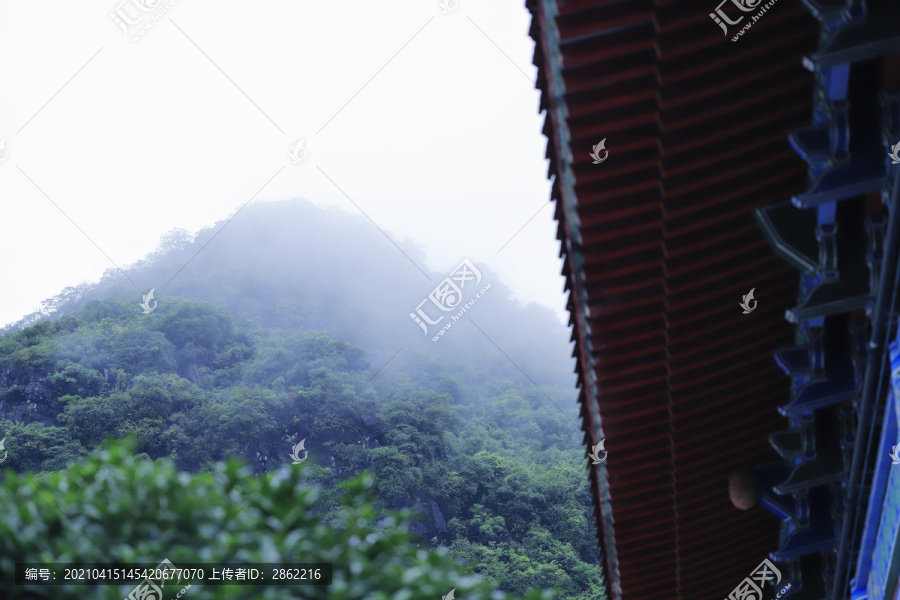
(895, 454)
(449, 596)
(165, 572)
(743, 6)
(4, 153)
(298, 154)
(746, 303)
(596, 450)
(721, 18)
(447, 297)
(295, 452)
(146, 303)
(3, 449)
(596, 153)
(751, 587)
(138, 20)
(894, 154)
(782, 592)
(448, 6)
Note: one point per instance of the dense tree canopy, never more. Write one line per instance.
(87, 514)
(491, 463)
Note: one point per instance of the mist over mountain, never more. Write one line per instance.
(281, 338)
(292, 265)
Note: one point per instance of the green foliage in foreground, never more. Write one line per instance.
(118, 508)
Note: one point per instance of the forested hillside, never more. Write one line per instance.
(246, 355)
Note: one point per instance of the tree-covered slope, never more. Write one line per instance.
(293, 266)
(478, 434)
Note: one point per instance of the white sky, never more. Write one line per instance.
(427, 121)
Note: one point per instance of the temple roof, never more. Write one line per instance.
(660, 247)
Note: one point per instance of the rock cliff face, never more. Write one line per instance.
(273, 454)
(27, 401)
(433, 526)
(433, 523)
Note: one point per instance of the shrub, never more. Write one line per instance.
(116, 508)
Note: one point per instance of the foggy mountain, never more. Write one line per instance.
(293, 265)
(283, 338)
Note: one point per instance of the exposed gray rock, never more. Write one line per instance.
(433, 522)
(36, 391)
